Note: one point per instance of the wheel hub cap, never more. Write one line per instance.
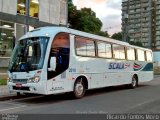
(79, 88)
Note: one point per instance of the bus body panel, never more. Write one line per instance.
(99, 72)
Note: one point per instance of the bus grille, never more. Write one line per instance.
(23, 81)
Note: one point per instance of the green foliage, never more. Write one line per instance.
(84, 20)
(89, 24)
(101, 33)
(3, 82)
(117, 36)
(137, 43)
(70, 1)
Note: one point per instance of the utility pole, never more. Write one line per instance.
(125, 35)
(27, 14)
(154, 25)
(150, 25)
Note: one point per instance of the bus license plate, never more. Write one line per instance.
(18, 85)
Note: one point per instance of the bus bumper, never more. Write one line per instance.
(34, 88)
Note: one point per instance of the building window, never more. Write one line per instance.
(33, 8)
(7, 39)
(21, 7)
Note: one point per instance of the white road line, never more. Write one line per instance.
(143, 103)
(10, 102)
(12, 108)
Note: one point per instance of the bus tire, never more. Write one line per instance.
(18, 94)
(79, 88)
(134, 82)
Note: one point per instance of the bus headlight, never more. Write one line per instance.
(34, 79)
(9, 79)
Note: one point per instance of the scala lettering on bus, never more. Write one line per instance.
(119, 65)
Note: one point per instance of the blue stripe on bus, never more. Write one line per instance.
(148, 67)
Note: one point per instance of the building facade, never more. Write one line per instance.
(19, 16)
(140, 22)
(157, 19)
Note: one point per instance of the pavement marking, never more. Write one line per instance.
(15, 104)
(9, 103)
(13, 108)
(143, 103)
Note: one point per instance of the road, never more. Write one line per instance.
(143, 99)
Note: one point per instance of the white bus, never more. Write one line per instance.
(53, 60)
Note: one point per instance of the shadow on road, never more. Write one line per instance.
(68, 96)
(111, 89)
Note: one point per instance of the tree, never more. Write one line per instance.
(102, 33)
(84, 20)
(73, 14)
(88, 21)
(136, 43)
(117, 36)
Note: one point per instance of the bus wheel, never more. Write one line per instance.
(79, 88)
(134, 83)
(18, 94)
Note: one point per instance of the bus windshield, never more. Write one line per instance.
(28, 54)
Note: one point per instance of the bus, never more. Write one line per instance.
(54, 60)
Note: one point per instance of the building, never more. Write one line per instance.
(141, 22)
(19, 16)
(157, 24)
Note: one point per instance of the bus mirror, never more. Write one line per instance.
(52, 64)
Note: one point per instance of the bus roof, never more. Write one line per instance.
(44, 31)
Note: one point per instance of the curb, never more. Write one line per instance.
(7, 97)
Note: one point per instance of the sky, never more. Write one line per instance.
(108, 11)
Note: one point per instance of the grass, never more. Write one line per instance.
(3, 82)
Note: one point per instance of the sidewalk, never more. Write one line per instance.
(4, 91)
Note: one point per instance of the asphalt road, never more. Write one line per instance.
(143, 99)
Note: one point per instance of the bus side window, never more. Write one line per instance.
(60, 46)
(61, 40)
(119, 51)
(85, 47)
(60, 49)
(141, 55)
(148, 56)
(104, 50)
(130, 53)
